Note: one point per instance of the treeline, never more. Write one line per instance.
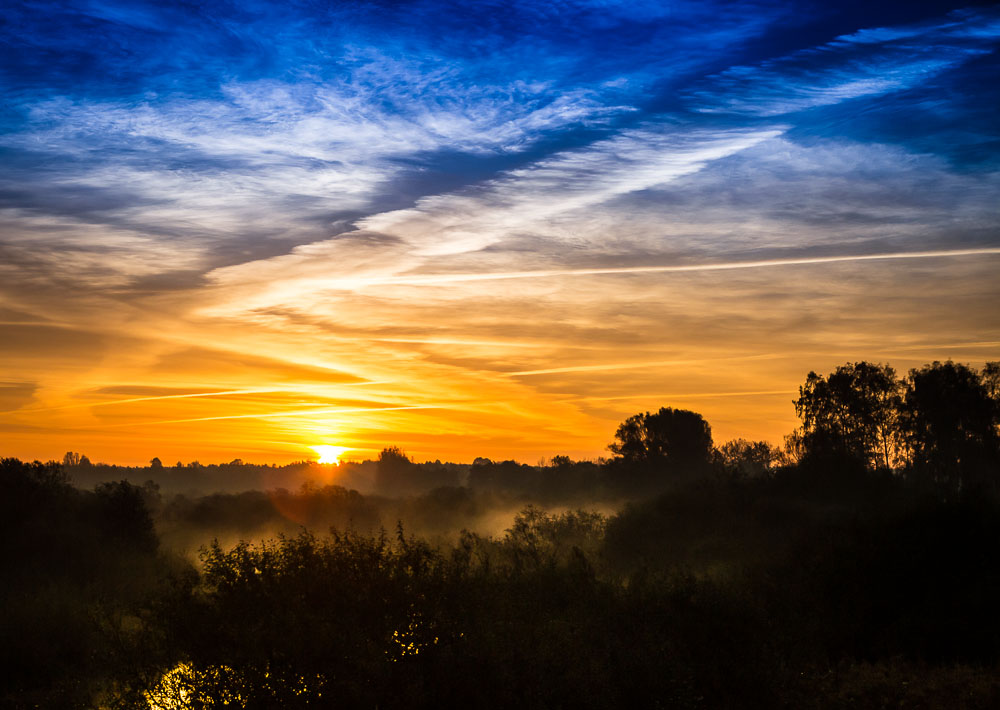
(939, 427)
(857, 566)
(936, 427)
(196, 478)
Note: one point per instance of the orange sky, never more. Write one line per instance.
(521, 368)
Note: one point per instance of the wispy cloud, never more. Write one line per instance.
(453, 224)
(645, 365)
(870, 62)
(263, 166)
(292, 414)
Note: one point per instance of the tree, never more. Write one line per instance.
(747, 459)
(123, 515)
(991, 380)
(82, 590)
(677, 442)
(850, 417)
(393, 471)
(950, 426)
(509, 476)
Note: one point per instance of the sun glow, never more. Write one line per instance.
(329, 454)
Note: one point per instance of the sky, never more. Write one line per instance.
(238, 230)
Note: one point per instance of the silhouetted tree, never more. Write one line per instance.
(393, 472)
(850, 418)
(748, 459)
(950, 426)
(671, 444)
(397, 474)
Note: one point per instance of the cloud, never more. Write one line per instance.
(870, 62)
(14, 395)
(248, 366)
(233, 163)
(633, 160)
(453, 224)
(266, 163)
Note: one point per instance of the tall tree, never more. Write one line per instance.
(950, 426)
(851, 415)
(675, 441)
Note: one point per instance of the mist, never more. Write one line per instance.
(857, 561)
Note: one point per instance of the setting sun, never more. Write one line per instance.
(329, 454)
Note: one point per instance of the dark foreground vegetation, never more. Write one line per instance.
(859, 567)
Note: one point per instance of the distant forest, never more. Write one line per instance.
(857, 565)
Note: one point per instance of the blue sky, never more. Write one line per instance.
(313, 181)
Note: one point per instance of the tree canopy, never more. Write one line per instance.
(674, 442)
(950, 424)
(850, 416)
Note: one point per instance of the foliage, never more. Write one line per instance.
(950, 420)
(396, 474)
(850, 416)
(940, 427)
(748, 459)
(82, 574)
(666, 446)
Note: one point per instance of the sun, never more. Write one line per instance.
(329, 454)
